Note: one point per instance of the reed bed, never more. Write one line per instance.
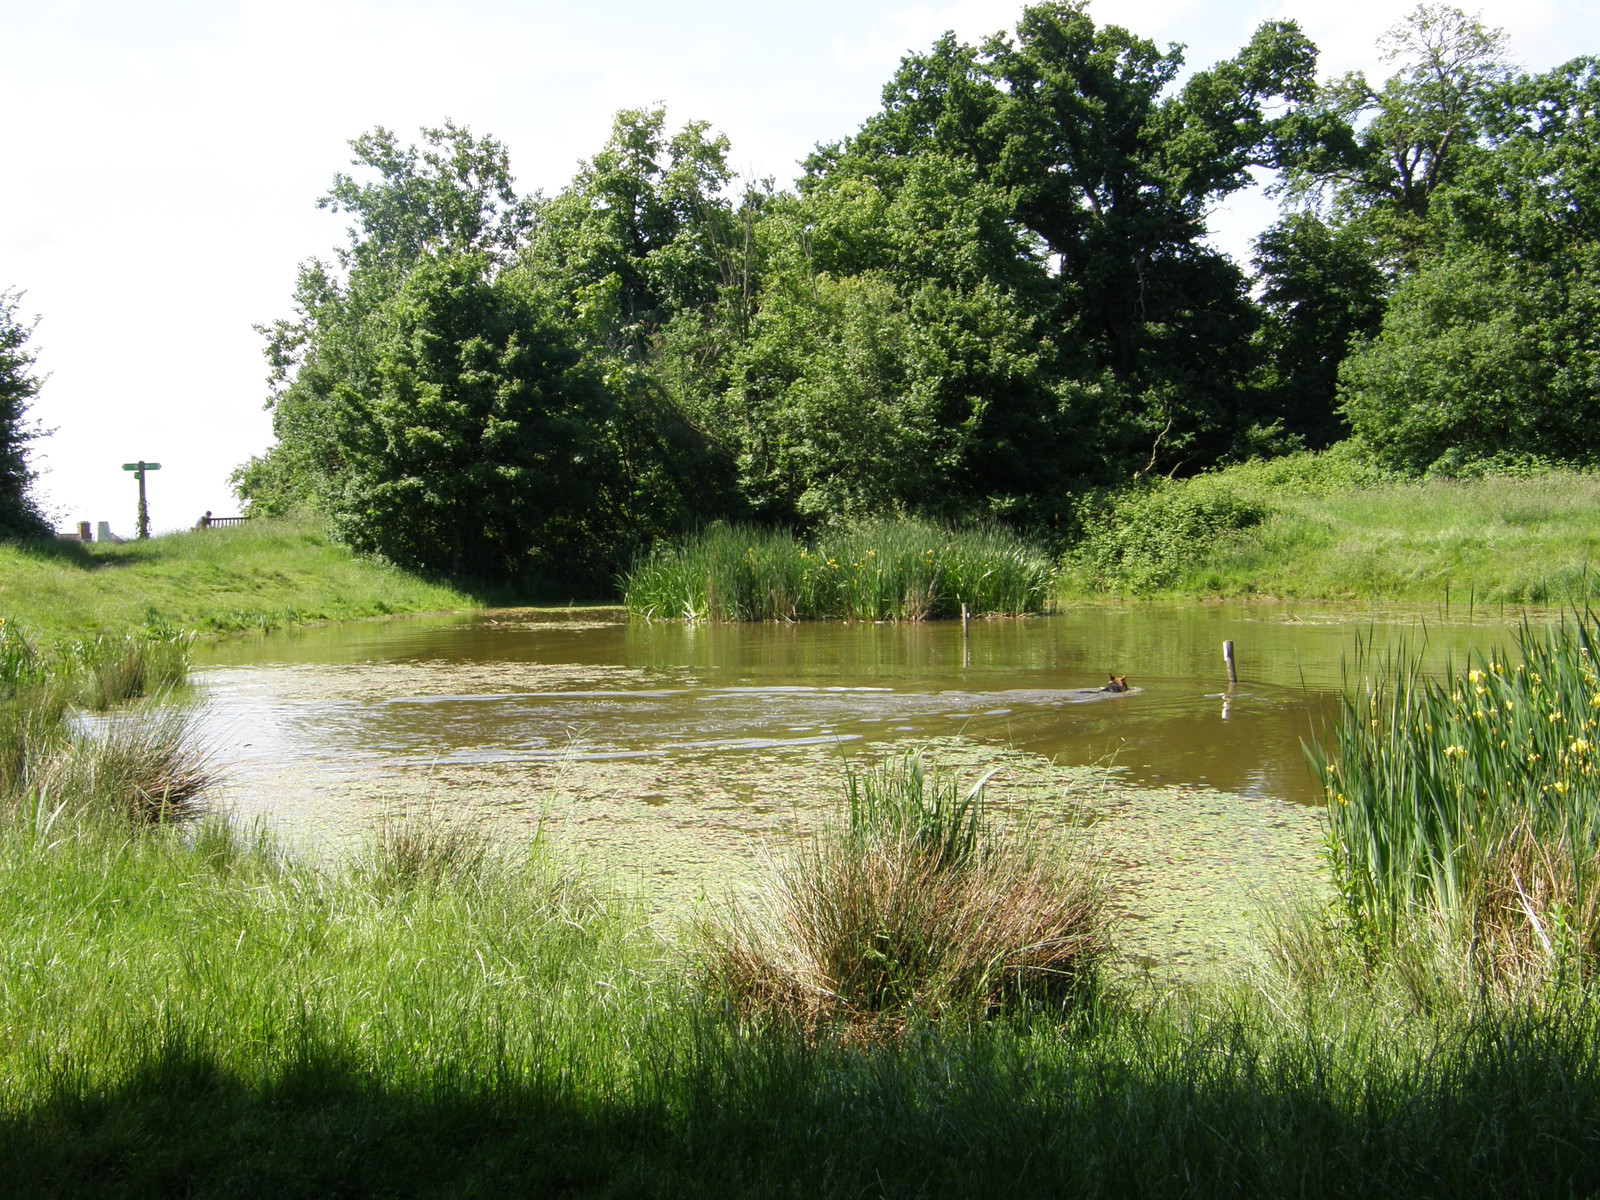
(1473, 798)
(914, 907)
(140, 765)
(890, 570)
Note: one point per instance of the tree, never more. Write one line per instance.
(477, 449)
(20, 516)
(1075, 126)
(1493, 346)
(1320, 292)
(1387, 150)
(635, 239)
(454, 195)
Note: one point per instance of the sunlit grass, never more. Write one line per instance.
(257, 576)
(915, 906)
(1319, 528)
(892, 570)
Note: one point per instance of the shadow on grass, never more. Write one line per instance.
(1509, 1113)
(61, 551)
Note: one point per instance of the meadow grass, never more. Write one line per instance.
(1473, 798)
(256, 576)
(889, 570)
(1328, 527)
(187, 1011)
(184, 1009)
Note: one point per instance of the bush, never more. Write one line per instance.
(1145, 537)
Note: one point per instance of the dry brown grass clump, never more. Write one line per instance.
(420, 848)
(1534, 912)
(914, 907)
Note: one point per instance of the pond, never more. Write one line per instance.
(680, 757)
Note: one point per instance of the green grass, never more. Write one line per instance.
(1326, 527)
(258, 576)
(186, 1012)
(1473, 798)
(890, 570)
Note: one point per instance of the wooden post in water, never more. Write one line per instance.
(964, 616)
(966, 645)
(1227, 657)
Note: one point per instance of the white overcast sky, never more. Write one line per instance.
(162, 161)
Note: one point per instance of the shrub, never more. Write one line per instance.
(1143, 538)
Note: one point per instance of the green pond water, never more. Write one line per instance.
(679, 760)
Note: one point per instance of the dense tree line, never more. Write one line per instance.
(20, 516)
(994, 296)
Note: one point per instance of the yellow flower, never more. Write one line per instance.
(1580, 746)
(1554, 717)
(1475, 676)
(1455, 752)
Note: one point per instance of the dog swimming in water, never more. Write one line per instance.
(1119, 683)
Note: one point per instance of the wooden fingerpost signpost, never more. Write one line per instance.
(140, 468)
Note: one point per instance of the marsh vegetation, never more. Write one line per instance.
(886, 570)
(185, 1002)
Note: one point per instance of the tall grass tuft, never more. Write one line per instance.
(887, 570)
(914, 907)
(422, 849)
(1475, 798)
(143, 766)
(107, 670)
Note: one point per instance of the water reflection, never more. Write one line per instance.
(515, 686)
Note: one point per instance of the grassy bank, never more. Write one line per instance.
(1327, 527)
(257, 576)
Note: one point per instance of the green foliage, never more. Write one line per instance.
(1491, 346)
(1107, 177)
(19, 513)
(1384, 152)
(1141, 539)
(876, 571)
(476, 450)
(1321, 290)
(1475, 798)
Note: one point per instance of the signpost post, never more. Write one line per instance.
(140, 468)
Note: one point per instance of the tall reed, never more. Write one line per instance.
(143, 765)
(887, 570)
(1474, 796)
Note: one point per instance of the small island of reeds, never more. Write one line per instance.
(885, 570)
